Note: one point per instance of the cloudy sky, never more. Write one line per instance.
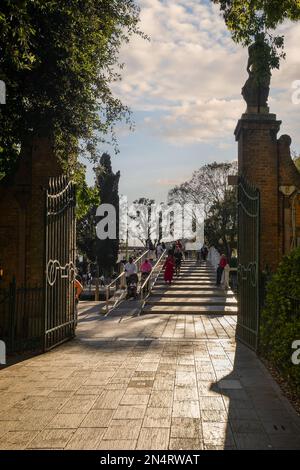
(184, 89)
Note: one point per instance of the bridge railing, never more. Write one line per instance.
(147, 285)
(115, 292)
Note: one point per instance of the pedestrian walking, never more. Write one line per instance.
(89, 280)
(130, 268)
(220, 269)
(151, 248)
(78, 291)
(169, 267)
(159, 250)
(204, 253)
(146, 269)
(178, 256)
(78, 288)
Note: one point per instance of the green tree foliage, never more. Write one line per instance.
(58, 60)
(88, 200)
(280, 322)
(221, 223)
(86, 233)
(108, 185)
(246, 18)
(86, 196)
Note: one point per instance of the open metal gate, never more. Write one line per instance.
(60, 307)
(248, 267)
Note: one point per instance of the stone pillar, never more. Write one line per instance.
(258, 163)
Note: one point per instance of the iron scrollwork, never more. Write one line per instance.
(54, 269)
(248, 273)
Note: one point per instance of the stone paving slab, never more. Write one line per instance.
(152, 382)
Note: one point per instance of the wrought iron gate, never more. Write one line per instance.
(60, 307)
(248, 267)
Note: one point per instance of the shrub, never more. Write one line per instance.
(280, 320)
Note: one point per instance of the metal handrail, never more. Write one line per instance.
(115, 280)
(121, 280)
(151, 280)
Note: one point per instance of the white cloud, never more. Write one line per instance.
(198, 121)
(171, 181)
(188, 78)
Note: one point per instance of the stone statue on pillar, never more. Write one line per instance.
(257, 87)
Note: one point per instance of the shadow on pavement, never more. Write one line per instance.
(259, 417)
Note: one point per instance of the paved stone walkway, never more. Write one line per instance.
(150, 382)
(123, 323)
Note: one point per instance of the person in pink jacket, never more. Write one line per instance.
(146, 268)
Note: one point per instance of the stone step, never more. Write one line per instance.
(187, 287)
(197, 273)
(192, 262)
(192, 301)
(187, 272)
(187, 282)
(191, 278)
(196, 266)
(197, 269)
(191, 293)
(193, 310)
(193, 274)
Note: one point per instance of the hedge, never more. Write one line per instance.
(280, 319)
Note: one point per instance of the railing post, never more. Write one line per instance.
(142, 293)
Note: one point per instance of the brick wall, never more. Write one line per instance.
(258, 162)
(265, 161)
(22, 214)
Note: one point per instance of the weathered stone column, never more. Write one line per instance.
(258, 163)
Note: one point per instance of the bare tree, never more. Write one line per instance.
(209, 186)
(142, 219)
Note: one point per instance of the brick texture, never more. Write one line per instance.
(22, 215)
(266, 162)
